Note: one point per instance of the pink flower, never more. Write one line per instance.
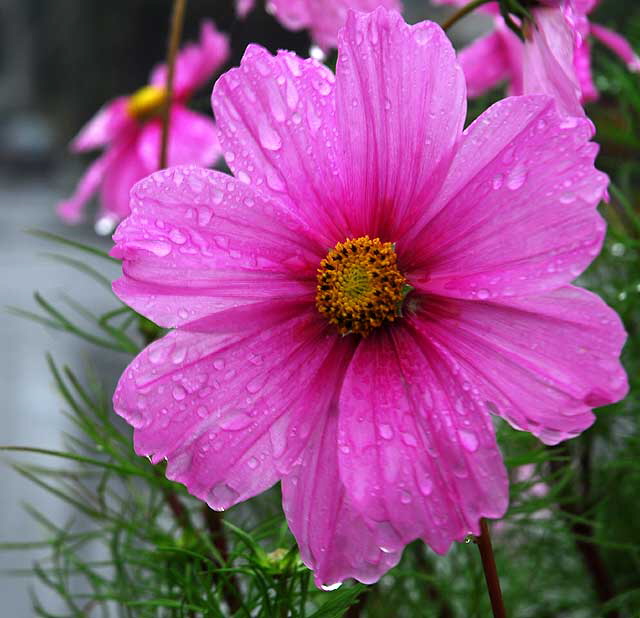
(322, 17)
(373, 284)
(129, 129)
(557, 59)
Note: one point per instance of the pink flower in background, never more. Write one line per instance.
(323, 18)
(556, 60)
(373, 284)
(129, 129)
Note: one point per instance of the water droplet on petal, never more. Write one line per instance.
(179, 393)
(517, 177)
(268, 137)
(469, 440)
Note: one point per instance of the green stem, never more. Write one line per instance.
(177, 21)
(462, 12)
(490, 571)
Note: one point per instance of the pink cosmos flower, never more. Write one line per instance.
(322, 17)
(129, 129)
(557, 60)
(373, 284)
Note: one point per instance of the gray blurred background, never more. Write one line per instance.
(60, 60)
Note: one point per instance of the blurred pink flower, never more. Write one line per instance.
(363, 376)
(323, 18)
(556, 60)
(129, 129)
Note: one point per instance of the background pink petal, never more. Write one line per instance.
(617, 44)
(485, 63)
(104, 127)
(71, 209)
(199, 241)
(554, 357)
(118, 180)
(196, 62)
(548, 61)
(224, 410)
(398, 133)
(582, 66)
(193, 140)
(276, 117)
(417, 451)
(293, 14)
(327, 17)
(518, 212)
(244, 7)
(335, 540)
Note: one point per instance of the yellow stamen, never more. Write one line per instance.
(146, 102)
(359, 285)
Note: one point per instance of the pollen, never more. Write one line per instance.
(146, 102)
(359, 285)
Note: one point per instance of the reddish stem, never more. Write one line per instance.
(490, 571)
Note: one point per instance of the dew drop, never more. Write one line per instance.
(483, 294)
(386, 431)
(268, 137)
(179, 393)
(422, 36)
(256, 384)
(469, 440)
(517, 177)
(317, 53)
(425, 485)
(204, 216)
(105, 225)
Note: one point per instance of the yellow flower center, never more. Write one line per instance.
(146, 102)
(359, 285)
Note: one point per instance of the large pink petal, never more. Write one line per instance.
(104, 127)
(196, 62)
(335, 540)
(485, 63)
(541, 362)
(401, 107)
(229, 411)
(198, 242)
(122, 174)
(618, 44)
(518, 212)
(276, 117)
(548, 61)
(193, 140)
(71, 209)
(417, 451)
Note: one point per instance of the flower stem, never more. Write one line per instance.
(490, 571)
(462, 12)
(177, 21)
